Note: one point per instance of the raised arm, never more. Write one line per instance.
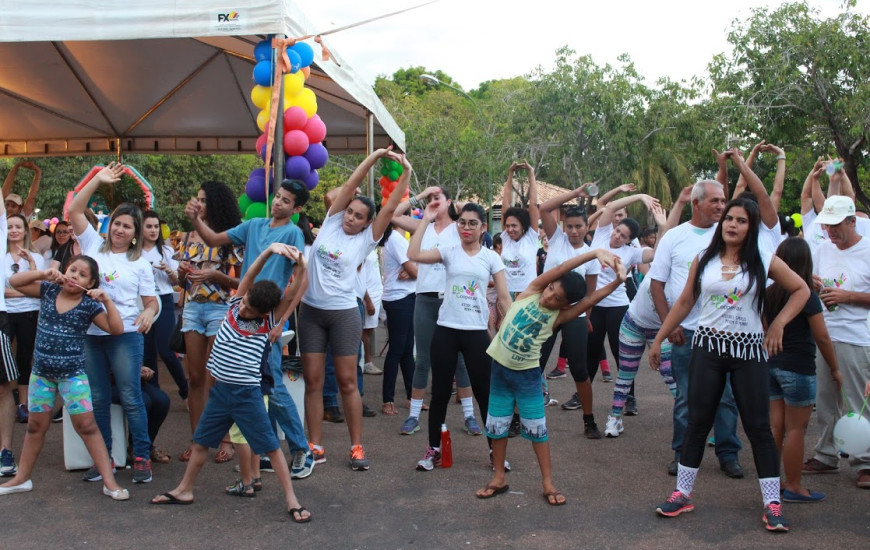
(551, 275)
(414, 252)
(507, 194)
(407, 223)
(811, 193)
(722, 173)
(534, 213)
(344, 194)
(295, 290)
(548, 209)
(768, 213)
(607, 197)
(27, 282)
(257, 266)
(779, 178)
(382, 220)
(193, 210)
(661, 222)
(110, 174)
(741, 181)
(841, 183)
(607, 214)
(677, 210)
(590, 301)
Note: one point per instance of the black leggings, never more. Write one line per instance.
(708, 373)
(574, 336)
(23, 332)
(605, 321)
(447, 344)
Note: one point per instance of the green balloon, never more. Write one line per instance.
(256, 210)
(393, 175)
(244, 202)
(295, 218)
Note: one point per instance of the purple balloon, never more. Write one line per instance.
(312, 180)
(256, 189)
(297, 168)
(317, 155)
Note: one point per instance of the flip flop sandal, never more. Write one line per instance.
(555, 495)
(160, 456)
(257, 483)
(495, 491)
(185, 456)
(389, 409)
(170, 499)
(224, 455)
(299, 518)
(239, 489)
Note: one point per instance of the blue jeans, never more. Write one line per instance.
(120, 356)
(157, 342)
(282, 408)
(725, 423)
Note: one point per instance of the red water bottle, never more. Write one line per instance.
(446, 447)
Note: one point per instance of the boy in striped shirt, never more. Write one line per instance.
(235, 363)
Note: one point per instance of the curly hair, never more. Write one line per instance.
(221, 206)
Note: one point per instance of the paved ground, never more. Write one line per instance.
(612, 488)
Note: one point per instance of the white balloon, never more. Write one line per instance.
(852, 434)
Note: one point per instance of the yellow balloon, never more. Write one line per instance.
(307, 100)
(293, 83)
(262, 119)
(260, 96)
(164, 230)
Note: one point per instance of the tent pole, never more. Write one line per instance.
(278, 150)
(370, 148)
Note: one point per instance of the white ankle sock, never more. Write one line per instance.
(467, 407)
(416, 407)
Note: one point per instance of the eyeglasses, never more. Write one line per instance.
(15, 268)
(470, 224)
(61, 232)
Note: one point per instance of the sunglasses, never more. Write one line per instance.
(15, 268)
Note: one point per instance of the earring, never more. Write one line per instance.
(134, 241)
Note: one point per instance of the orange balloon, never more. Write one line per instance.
(306, 71)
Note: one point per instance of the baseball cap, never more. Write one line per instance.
(14, 197)
(835, 210)
(36, 224)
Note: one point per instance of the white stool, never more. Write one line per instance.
(75, 454)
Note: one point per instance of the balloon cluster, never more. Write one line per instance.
(304, 131)
(390, 173)
(50, 224)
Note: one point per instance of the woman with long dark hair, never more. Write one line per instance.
(207, 275)
(729, 280)
(793, 372)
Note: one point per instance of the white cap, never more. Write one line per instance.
(835, 210)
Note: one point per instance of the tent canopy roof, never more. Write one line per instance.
(89, 76)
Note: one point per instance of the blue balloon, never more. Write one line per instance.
(255, 189)
(263, 51)
(317, 155)
(295, 60)
(297, 168)
(306, 53)
(263, 73)
(312, 180)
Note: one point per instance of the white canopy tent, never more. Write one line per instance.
(160, 76)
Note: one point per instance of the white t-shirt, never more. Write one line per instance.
(371, 273)
(22, 304)
(395, 255)
(849, 270)
(124, 281)
(674, 256)
(560, 251)
(629, 256)
(432, 277)
(332, 264)
(642, 309)
(520, 259)
(726, 305)
(769, 238)
(161, 279)
(815, 235)
(464, 306)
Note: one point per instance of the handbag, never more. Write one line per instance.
(176, 341)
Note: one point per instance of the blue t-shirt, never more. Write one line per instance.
(59, 351)
(256, 236)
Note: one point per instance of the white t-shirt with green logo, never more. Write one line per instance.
(729, 305)
(464, 306)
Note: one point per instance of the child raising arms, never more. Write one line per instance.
(70, 303)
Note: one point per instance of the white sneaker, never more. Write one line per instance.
(370, 368)
(613, 427)
(20, 488)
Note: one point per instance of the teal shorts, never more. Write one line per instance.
(75, 392)
(521, 389)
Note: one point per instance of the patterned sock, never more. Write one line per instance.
(416, 407)
(561, 363)
(686, 479)
(769, 489)
(467, 407)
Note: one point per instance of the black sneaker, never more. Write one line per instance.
(673, 467)
(630, 406)
(58, 416)
(266, 464)
(367, 412)
(556, 373)
(333, 414)
(572, 404)
(590, 430)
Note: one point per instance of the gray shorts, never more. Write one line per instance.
(341, 329)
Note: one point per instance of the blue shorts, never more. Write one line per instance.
(798, 390)
(228, 403)
(205, 318)
(521, 389)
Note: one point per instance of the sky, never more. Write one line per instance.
(478, 40)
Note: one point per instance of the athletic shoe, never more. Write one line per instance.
(266, 464)
(358, 460)
(142, 470)
(572, 404)
(673, 467)
(732, 469)
(431, 459)
(367, 412)
(711, 441)
(772, 518)
(613, 427)
(58, 416)
(813, 466)
(556, 373)
(20, 488)
(21, 414)
(507, 465)
(591, 431)
(318, 454)
(117, 494)
(333, 414)
(472, 427)
(676, 504)
(303, 465)
(630, 406)
(606, 377)
(604, 365)
(370, 368)
(410, 426)
(8, 468)
(789, 496)
(94, 475)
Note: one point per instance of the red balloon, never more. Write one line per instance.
(315, 128)
(295, 119)
(295, 142)
(261, 142)
(384, 181)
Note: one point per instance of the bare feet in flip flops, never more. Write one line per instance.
(553, 496)
(300, 514)
(492, 490)
(169, 498)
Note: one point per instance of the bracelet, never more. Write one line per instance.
(414, 202)
(780, 157)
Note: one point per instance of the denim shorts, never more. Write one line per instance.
(229, 403)
(204, 318)
(521, 389)
(798, 390)
(75, 392)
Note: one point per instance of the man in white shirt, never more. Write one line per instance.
(841, 273)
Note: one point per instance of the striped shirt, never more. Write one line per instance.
(238, 347)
